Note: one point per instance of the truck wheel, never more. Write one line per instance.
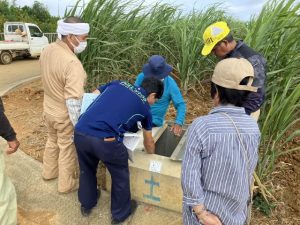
(6, 58)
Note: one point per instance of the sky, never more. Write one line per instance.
(241, 9)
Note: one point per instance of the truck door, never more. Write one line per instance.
(37, 40)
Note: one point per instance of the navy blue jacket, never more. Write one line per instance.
(117, 109)
(6, 130)
(255, 99)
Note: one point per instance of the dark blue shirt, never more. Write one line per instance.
(119, 106)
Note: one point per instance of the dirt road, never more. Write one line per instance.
(17, 72)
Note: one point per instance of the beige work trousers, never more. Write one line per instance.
(60, 158)
(8, 199)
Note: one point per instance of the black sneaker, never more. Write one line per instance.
(86, 212)
(133, 205)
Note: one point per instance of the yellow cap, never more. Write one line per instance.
(213, 34)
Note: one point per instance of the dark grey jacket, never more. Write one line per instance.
(255, 99)
(6, 130)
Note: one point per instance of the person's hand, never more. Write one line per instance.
(176, 129)
(207, 218)
(12, 146)
(96, 92)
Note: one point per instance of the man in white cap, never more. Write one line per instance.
(222, 151)
(63, 78)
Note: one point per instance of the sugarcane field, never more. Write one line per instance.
(153, 112)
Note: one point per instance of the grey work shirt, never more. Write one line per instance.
(215, 170)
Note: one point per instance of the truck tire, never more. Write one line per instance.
(6, 58)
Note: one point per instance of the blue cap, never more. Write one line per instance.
(157, 67)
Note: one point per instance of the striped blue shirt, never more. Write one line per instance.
(214, 170)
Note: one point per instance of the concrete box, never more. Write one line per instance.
(155, 178)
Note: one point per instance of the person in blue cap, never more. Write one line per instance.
(157, 67)
(99, 136)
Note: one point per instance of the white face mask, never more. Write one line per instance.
(81, 47)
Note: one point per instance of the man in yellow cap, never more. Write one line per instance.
(219, 41)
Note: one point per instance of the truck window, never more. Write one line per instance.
(12, 28)
(35, 31)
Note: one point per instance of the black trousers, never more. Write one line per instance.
(115, 157)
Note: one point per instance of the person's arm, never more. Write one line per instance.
(205, 217)
(180, 107)
(148, 141)
(7, 132)
(146, 123)
(23, 34)
(255, 99)
(139, 79)
(97, 91)
(191, 174)
(74, 107)
(12, 146)
(74, 89)
(193, 195)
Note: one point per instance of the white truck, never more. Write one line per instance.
(21, 39)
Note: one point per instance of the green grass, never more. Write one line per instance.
(275, 33)
(260, 203)
(126, 36)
